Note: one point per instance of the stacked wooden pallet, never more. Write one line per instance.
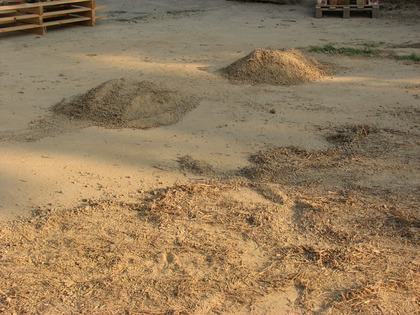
(35, 16)
(347, 6)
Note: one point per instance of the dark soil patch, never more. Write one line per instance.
(349, 134)
(197, 167)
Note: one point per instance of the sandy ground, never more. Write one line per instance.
(181, 44)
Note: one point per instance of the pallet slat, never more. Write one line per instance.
(17, 17)
(35, 17)
(18, 28)
(346, 9)
(40, 4)
(66, 21)
(61, 12)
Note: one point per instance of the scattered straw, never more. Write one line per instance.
(196, 249)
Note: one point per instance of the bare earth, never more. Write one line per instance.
(262, 199)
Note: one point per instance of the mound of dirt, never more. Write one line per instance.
(197, 167)
(349, 134)
(275, 67)
(127, 103)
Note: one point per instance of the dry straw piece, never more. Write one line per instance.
(275, 67)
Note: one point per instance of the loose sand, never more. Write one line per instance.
(276, 67)
(263, 197)
(127, 103)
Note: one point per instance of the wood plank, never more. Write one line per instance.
(91, 15)
(58, 2)
(351, 6)
(7, 11)
(18, 17)
(66, 21)
(37, 30)
(346, 9)
(36, 17)
(19, 6)
(40, 4)
(63, 12)
(19, 27)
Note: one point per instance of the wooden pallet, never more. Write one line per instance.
(346, 9)
(35, 17)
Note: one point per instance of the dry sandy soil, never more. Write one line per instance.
(262, 199)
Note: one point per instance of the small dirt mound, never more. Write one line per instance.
(127, 103)
(197, 167)
(275, 67)
(349, 134)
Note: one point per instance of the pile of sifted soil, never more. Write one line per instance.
(127, 103)
(275, 67)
